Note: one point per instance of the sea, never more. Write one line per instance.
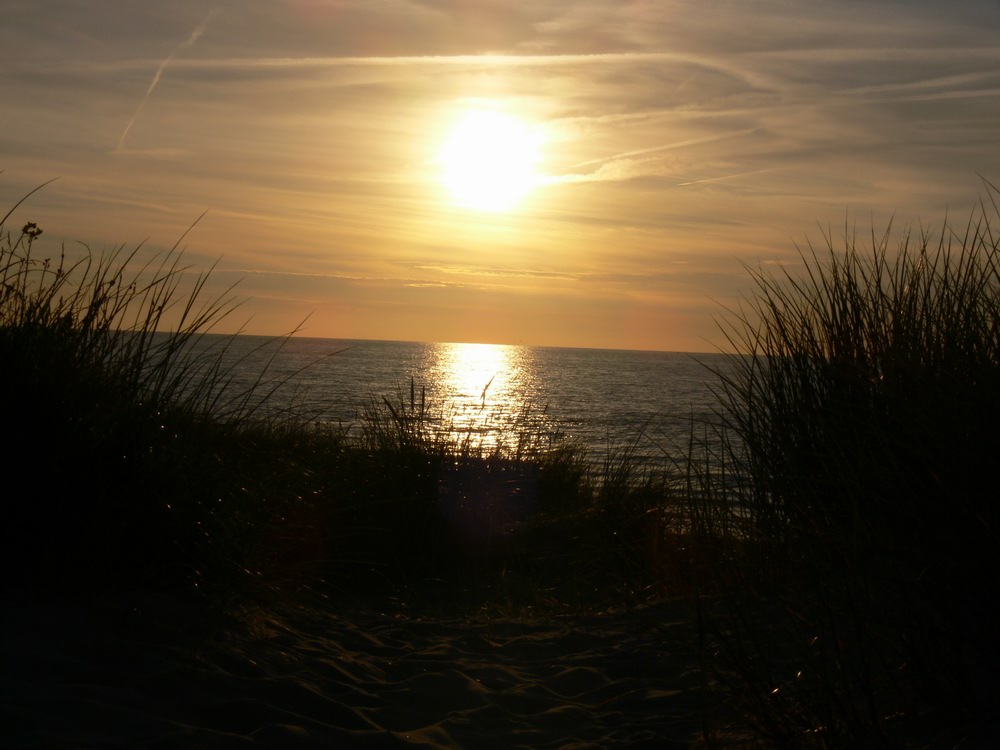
(602, 402)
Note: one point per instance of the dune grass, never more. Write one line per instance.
(132, 462)
(857, 512)
(838, 531)
(115, 472)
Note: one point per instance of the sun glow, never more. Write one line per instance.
(488, 160)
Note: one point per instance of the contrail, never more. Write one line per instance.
(195, 35)
(666, 147)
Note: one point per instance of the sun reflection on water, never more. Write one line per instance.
(476, 370)
(488, 390)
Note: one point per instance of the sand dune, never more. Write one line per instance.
(358, 679)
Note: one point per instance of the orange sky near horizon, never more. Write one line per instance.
(679, 142)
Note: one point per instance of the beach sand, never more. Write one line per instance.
(137, 676)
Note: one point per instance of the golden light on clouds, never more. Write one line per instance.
(594, 173)
(489, 159)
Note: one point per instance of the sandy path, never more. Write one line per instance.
(360, 680)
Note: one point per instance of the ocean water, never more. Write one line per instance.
(603, 401)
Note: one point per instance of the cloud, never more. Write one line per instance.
(709, 132)
(625, 166)
(474, 269)
(156, 154)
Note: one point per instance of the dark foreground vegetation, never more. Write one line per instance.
(857, 510)
(839, 549)
(134, 462)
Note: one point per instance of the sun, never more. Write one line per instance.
(488, 160)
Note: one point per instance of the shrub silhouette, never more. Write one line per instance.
(861, 420)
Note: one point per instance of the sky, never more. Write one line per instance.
(677, 145)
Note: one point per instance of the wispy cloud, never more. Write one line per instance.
(481, 270)
(309, 127)
(625, 165)
(664, 147)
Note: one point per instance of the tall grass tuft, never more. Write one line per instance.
(859, 502)
(122, 438)
(134, 459)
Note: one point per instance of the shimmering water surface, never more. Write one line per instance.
(602, 400)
